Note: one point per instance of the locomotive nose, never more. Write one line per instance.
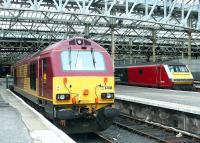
(84, 90)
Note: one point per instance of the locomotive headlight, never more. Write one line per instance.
(79, 41)
(107, 95)
(62, 96)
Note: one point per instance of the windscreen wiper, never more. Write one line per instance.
(93, 58)
(76, 58)
(70, 60)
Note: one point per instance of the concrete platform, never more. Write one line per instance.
(184, 101)
(20, 123)
(174, 109)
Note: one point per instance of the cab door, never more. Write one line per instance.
(163, 77)
(43, 75)
(158, 75)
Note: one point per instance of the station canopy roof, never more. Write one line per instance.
(30, 25)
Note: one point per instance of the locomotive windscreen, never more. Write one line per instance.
(82, 60)
(178, 68)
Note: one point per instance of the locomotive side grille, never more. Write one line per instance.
(72, 42)
(87, 42)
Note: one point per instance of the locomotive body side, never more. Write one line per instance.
(73, 81)
(143, 75)
(26, 79)
(149, 75)
(157, 75)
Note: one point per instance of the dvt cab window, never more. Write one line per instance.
(178, 68)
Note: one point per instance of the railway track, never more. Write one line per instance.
(103, 138)
(154, 131)
(91, 138)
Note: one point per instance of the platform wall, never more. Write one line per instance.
(171, 118)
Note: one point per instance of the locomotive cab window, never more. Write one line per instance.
(178, 68)
(33, 76)
(82, 61)
(45, 69)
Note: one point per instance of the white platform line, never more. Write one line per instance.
(168, 90)
(163, 104)
(59, 132)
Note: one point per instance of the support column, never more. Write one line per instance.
(86, 31)
(130, 48)
(189, 50)
(182, 56)
(182, 53)
(124, 58)
(112, 29)
(113, 46)
(198, 22)
(154, 45)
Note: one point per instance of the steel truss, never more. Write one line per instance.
(138, 25)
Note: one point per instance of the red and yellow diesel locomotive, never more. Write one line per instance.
(73, 82)
(165, 75)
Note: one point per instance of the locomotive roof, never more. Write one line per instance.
(152, 63)
(64, 45)
(73, 42)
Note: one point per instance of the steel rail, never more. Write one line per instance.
(167, 134)
(103, 138)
